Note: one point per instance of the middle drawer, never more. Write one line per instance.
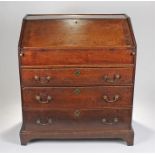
(77, 97)
(77, 76)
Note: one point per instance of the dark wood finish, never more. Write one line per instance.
(126, 135)
(73, 119)
(72, 33)
(78, 97)
(76, 57)
(77, 77)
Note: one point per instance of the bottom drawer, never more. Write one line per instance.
(77, 119)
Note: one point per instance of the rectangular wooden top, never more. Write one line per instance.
(59, 31)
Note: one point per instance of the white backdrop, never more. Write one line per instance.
(143, 20)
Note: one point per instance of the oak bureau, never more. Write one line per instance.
(77, 76)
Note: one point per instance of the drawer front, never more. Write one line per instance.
(75, 119)
(85, 97)
(76, 57)
(77, 76)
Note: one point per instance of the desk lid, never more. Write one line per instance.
(59, 31)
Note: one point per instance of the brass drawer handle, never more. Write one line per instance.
(106, 122)
(49, 121)
(41, 100)
(115, 98)
(77, 113)
(42, 80)
(77, 73)
(112, 80)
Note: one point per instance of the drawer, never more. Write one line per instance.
(76, 57)
(78, 119)
(85, 97)
(77, 76)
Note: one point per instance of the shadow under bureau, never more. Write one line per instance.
(77, 77)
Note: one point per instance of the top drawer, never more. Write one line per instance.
(76, 57)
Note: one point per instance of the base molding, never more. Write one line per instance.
(126, 135)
